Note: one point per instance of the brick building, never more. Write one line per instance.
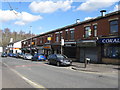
(97, 39)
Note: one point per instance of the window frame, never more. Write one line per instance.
(72, 33)
(95, 27)
(86, 35)
(110, 23)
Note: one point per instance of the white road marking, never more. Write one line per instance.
(34, 84)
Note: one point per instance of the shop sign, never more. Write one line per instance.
(46, 47)
(87, 43)
(49, 38)
(62, 42)
(110, 40)
(16, 48)
(68, 45)
(33, 43)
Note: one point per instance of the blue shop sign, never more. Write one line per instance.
(109, 40)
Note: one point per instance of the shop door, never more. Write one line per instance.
(89, 52)
(82, 54)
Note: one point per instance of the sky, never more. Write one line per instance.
(40, 16)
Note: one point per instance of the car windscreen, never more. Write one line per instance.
(61, 56)
(28, 55)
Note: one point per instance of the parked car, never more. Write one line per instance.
(10, 54)
(4, 54)
(39, 56)
(59, 59)
(27, 56)
(20, 55)
(14, 55)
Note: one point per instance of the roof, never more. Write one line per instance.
(76, 24)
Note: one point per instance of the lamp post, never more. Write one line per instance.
(31, 40)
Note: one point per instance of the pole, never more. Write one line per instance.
(85, 59)
(62, 44)
(61, 50)
(31, 40)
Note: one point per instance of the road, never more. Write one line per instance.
(18, 73)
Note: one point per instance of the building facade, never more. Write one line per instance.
(97, 39)
(14, 47)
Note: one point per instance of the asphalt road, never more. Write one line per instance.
(18, 73)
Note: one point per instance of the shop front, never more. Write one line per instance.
(69, 49)
(56, 48)
(47, 50)
(110, 50)
(89, 49)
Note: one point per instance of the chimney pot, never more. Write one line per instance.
(77, 20)
(103, 12)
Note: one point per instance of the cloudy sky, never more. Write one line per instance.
(45, 15)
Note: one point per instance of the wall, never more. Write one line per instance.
(1, 49)
(17, 45)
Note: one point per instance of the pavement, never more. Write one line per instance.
(99, 68)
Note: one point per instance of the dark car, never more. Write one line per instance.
(39, 57)
(21, 55)
(14, 55)
(59, 59)
(10, 54)
(4, 55)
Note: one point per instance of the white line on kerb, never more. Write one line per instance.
(34, 84)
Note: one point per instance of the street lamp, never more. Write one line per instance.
(31, 40)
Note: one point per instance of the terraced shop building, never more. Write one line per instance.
(97, 39)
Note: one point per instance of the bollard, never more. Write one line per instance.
(87, 60)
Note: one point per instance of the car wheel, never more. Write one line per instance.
(58, 64)
(49, 62)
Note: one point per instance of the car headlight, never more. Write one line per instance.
(61, 60)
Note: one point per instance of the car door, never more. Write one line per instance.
(34, 57)
(54, 59)
(51, 59)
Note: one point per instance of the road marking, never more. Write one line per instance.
(34, 84)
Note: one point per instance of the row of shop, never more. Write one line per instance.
(103, 50)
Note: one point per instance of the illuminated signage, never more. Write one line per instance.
(110, 40)
(49, 38)
(47, 47)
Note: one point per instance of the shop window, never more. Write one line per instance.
(95, 30)
(87, 31)
(114, 27)
(72, 34)
(112, 52)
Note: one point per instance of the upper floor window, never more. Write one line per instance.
(57, 37)
(72, 34)
(113, 26)
(41, 40)
(61, 35)
(66, 34)
(95, 30)
(87, 31)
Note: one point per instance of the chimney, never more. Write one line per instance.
(11, 40)
(103, 12)
(77, 20)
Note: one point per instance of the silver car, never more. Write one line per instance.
(27, 56)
